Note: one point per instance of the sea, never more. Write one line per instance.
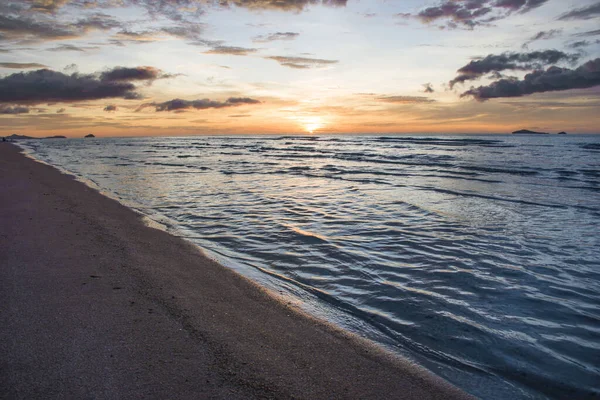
(475, 256)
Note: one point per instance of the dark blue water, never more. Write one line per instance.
(476, 256)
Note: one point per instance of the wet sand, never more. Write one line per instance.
(95, 304)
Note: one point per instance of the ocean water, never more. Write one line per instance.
(477, 257)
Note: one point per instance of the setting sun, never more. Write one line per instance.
(312, 124)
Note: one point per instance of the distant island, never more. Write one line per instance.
(15, 136)
(89, 136)
(528, 132)
(561, 133)
(22, 137)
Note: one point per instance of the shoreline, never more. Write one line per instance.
(98, 304)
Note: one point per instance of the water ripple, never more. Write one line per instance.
(476, 256)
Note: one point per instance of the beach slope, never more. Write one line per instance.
(95, 304)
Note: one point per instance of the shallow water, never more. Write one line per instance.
(476, 256)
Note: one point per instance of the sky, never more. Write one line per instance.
(192, 67)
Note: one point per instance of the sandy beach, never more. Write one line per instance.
(95, 304)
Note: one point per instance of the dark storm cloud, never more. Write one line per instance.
(405, 99)
(552, 79)
(301, 62)
(45, 85)
(495, 63)
(428, 88)
(588, 12)
(276, 36)
(470, 13)
(203, 104)
(231, 50)
(110, 108)
(21, 65)
(6, 109)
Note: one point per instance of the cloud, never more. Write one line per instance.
(302, 62)
(125, 35)
(176, 10)
(110, 108)
(97, 21)
(276, 36)
(281, 5)
(495, 63)
(60, 110)
(203, 104)
(540, 81)
(6, 109)
(471, 13)
(28, 29)
(125, 74)
(582, 13)
(71, 47)
(588, 33)
(184, 30)
(45, 85)
(543, 35)
(49, 6)
(231, 50)
(23, 28)
(405, 99)
(428, 88)
(580, 43)
(21, 65)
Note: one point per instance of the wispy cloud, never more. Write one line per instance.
(276, 36)
(302, 62)
(542, 35)
(469, 14)
(71, 47)
(588, 12)
(21, 65)
(202, 104)
(588, 33)
(28, 29)
(6, 109)
(231, 50)
(282, 5)
(405, 99)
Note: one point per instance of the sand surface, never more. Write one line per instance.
(95, 304)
